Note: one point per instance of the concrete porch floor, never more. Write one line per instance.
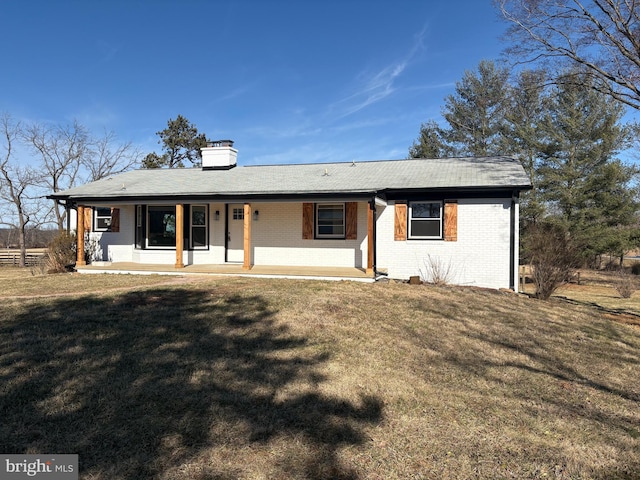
(232, 269)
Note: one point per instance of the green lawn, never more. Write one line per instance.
(267, 379)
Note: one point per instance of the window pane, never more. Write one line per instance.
(162, 226)
(425, 228)
(103, 223)
(199, 237)
(238, 214)
(425, 210)
(336, 230)
(330, 220)
(198, 215)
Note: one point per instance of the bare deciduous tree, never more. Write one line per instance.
(601, 37)
(16, 183)
(109, 157)
(62, 150)
(69, 155)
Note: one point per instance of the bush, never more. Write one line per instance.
(61, 253)
(635, 268)
(625, 284)
(436, 271)
(549, 250)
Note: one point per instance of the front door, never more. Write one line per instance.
(235, 233)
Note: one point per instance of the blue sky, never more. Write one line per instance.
(288, 81)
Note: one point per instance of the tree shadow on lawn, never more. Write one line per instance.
(553, 370)
(561, 384)
(142, 383)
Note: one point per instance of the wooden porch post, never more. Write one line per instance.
(179, 235)
(80, 237)
(370, 239)
(247, 237)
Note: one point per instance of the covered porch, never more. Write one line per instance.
(266, 271)
(233, 241)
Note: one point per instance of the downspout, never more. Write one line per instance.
(512, 242)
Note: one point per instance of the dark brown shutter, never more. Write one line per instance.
(115, 220)
(351, 220)
(451, 220)
(88, 218)
(400, 224)
(307, 221)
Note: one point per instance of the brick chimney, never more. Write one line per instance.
(219, 155)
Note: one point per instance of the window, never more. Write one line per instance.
(330, 220)
(425, 220)
(198, 226)
(156, 226)
(238, 213)
(161, 226)
(102, 219)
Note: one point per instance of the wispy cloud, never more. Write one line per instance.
(283, 131)
(301, 127)
(379, 85)
(376, 88)
(235, 93)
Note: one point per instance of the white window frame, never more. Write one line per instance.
(319, 235)
(105, 218)
(438, 219)
(205, 227)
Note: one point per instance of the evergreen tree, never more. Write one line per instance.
(181, 142)
(521, 135)
(429, 143)
(475, 112)
(567, 138)
(581, 181)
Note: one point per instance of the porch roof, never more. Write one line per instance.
(351, 178)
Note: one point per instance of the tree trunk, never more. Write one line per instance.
(22, 241)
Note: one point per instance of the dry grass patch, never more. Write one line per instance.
(601, 289)
(25, 282)
(247, 378)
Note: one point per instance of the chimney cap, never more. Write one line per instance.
(220, 143)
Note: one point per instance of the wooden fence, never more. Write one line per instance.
(12, 257)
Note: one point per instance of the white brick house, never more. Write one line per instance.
(398, 218)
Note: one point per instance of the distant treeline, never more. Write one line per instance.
(34, 237)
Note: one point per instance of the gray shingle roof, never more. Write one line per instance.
(309, 179)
